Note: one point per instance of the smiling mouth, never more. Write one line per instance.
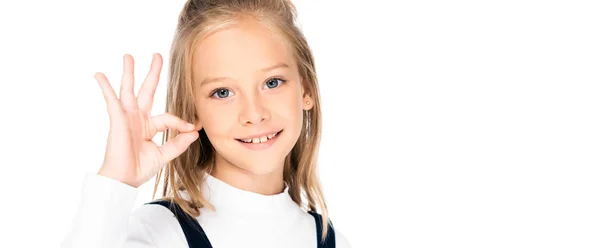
(258, 140)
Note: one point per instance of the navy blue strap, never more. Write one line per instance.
(194, 234)
(329, 241)
(196, 237)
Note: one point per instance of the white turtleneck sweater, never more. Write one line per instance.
(107, 218)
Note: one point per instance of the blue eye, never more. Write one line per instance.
(221, 93)
(273, 82)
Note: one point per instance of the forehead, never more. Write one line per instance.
(241, 50)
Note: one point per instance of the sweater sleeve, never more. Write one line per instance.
(104, 217)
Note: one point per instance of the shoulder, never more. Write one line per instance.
(340, 239)
(161, 223)
(155, 215)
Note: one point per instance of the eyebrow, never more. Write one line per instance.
(266, 69)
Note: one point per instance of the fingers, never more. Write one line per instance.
(127, 81)
(177, 146)
(146, 95)
(169, 121)
(112, 102)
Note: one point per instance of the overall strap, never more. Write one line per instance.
(329, 241)
(194, 234)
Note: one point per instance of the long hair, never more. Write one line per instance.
(187, 172)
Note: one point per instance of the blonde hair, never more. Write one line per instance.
(198, 19)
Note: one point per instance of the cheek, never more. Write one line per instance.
(217, 122)
(289, 108)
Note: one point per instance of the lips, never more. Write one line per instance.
(260, 138)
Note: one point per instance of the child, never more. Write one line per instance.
(241, 130)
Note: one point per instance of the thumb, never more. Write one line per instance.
(175, 147)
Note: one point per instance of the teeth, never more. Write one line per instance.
(260, 139)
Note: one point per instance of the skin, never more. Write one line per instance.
(131, 156)
(250, 101)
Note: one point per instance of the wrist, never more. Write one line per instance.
(116, 176)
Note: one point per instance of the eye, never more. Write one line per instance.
(274, 82)
(221, 93)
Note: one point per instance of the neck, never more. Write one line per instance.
(265, 184)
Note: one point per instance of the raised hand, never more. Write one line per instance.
(131, 156)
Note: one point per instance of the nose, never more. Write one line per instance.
(254, 111)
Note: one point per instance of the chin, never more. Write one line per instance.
(262, 168)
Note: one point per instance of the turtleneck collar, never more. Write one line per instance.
(227, 199)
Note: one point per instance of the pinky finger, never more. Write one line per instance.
(112, 102)
(175, 147)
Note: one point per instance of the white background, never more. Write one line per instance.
(447, 123)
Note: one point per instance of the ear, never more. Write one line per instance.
(307, 102)
(197, 124)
